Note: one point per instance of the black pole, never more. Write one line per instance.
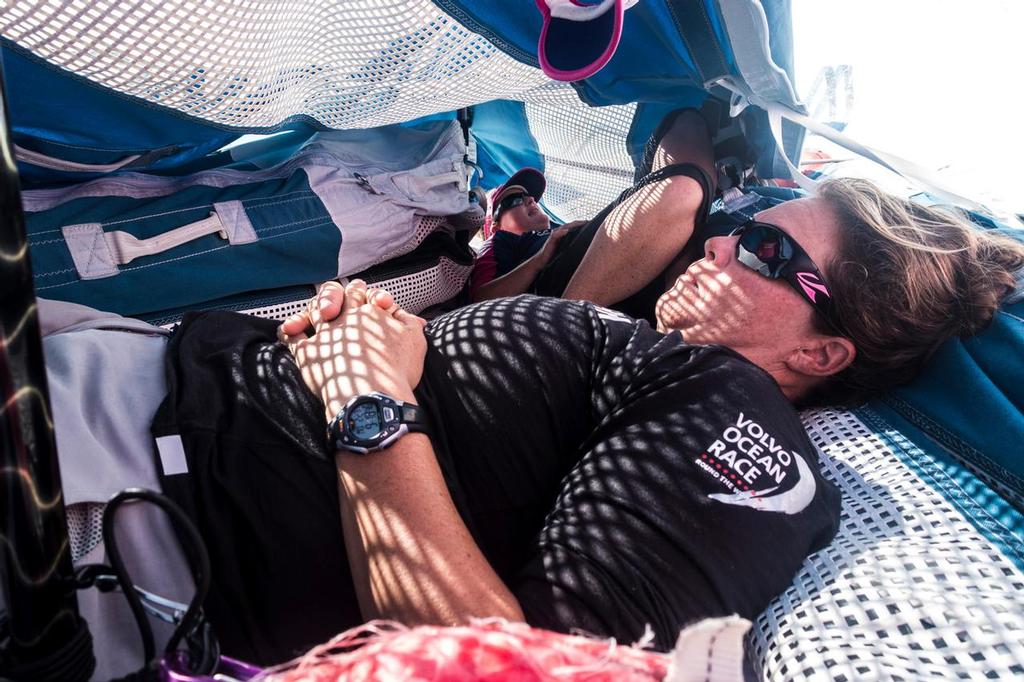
(47, 640)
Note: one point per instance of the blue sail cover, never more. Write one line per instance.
(120, 89)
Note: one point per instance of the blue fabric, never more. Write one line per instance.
(297, 244)
(651, 66)
(104, 126)
(991, 514)
(504, 142)
(512, 250)
(651, 63)
(56, 113)
(779, 14)
(970, 400)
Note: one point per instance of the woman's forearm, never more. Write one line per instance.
(412, 557)
(512, 283)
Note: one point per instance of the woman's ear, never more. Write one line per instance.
(822, 356)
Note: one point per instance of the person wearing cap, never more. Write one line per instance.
(625, 257)
(520, 238)
(631, 252)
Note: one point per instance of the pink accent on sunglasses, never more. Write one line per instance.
(811, 284)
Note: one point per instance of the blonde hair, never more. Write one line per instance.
(905, 279)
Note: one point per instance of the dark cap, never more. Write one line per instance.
(528, 180)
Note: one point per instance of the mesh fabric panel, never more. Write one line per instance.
(907, 590)
(415, 292)
(584, 148)
(357, 64)
(85, 528)
(426, 225)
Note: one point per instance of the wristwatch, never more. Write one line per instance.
(372, 422)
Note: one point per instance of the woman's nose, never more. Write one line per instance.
(718, 249)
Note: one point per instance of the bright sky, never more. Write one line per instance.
(937, 82)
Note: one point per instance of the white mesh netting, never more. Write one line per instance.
(909, 589)
(415, 291)
(584, 148)
(357, 64)
(85, 528)
(420, 290)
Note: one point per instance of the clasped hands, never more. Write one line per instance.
(362, 341)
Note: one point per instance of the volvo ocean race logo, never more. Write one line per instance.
(753, 467)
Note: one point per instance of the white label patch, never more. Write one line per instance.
(610, 315)
(172, 455)
(748, 462)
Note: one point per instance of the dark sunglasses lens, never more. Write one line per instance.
(764, 250)
(513, 202)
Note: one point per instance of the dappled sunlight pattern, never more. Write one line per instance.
(350, 65)
(574, 452)
(629, 213)
(659, 213)
(686, 305)
(261, 486)
(491, 354)
(567, 436)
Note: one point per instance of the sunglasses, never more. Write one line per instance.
(508, 203)
(768, 251)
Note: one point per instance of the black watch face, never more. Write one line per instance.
(364, 421)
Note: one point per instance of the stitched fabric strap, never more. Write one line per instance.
(710, 651)
(89, 250)
(97, 253)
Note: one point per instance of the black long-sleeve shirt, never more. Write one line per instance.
(613, 476)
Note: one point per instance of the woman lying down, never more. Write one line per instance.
(526, 458)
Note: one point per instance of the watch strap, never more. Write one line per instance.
(414, 418)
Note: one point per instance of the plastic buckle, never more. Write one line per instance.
(364, 182)
(734, 199)
(102, 577)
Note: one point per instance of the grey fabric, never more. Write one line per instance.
(58, 317)
(377, 184)
(105, 376)
(236, 222)
(89, 250)
(105, 387)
